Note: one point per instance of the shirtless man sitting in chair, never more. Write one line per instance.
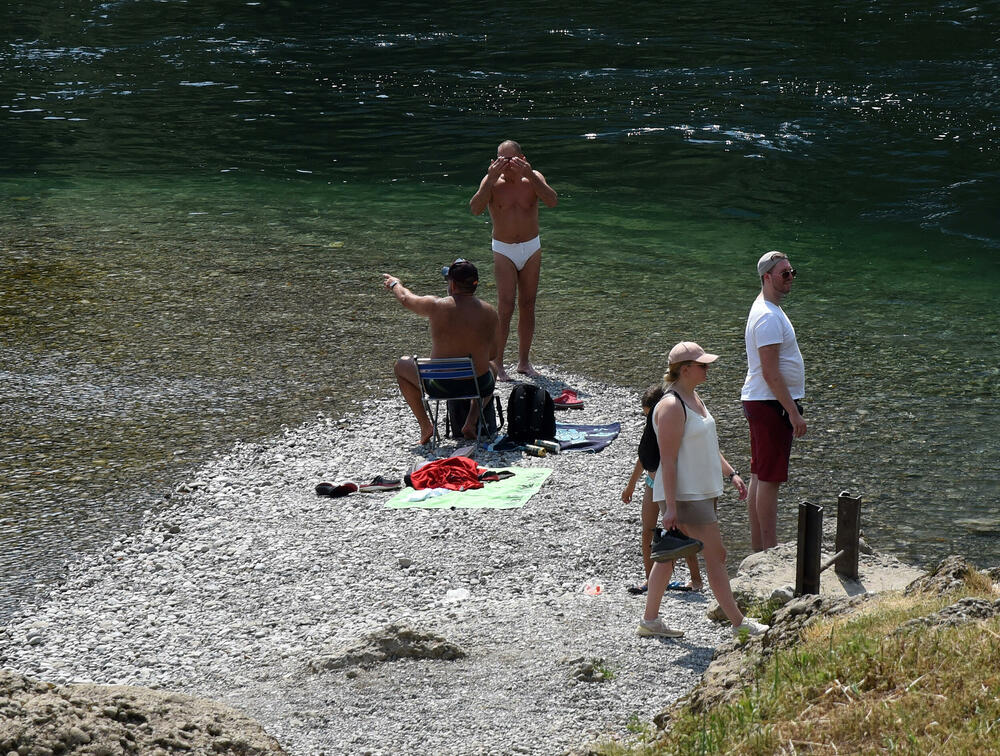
(462, 325)
(511, 189)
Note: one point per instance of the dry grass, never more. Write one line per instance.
(861, 684)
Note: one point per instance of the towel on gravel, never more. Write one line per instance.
(507, 493)
(572, 437)
(591, 438)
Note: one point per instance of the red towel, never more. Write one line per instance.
(456, 473)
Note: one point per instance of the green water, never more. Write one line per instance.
(196, 209)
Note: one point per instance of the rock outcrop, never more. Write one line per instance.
(41, 719)
(764, 576)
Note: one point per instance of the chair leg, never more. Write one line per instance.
(435, 439)
(481, 422)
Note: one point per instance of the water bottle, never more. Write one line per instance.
(535, 451)
(551, 446)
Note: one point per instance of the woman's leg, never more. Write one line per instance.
(714, 554)
(659, 576)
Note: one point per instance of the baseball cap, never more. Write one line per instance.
(688, 351)
(462, 271)
(768, 260)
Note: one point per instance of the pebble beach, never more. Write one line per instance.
(248, 588)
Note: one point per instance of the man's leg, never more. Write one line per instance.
(470, 427)
(770, 446)
(527, 284)
(764, 516)
(752, 513)
(505, 276)
(409, 386)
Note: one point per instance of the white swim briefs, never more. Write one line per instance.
(520, 252)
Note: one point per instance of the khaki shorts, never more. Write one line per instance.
(697, 512)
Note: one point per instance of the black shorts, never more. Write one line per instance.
(449, 389)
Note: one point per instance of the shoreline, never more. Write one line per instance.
(243, 584)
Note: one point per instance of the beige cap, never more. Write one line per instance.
(688, 351)
(768, 260)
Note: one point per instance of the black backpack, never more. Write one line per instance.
(531, 414)
(649, 449)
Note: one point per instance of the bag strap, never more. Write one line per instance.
(681, 401)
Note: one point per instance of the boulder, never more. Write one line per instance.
(391, 643)
(772, 570)
(951, 574)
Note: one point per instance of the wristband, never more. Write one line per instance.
(394, 284)
(733, 474)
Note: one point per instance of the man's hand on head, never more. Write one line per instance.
(520, 165)
(496, 168)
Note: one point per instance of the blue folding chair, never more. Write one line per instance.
(432, 371)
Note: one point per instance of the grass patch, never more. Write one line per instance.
(601, 667)
(860, 684)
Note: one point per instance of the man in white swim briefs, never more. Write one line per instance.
(511, 190)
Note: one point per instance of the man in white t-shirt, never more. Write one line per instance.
(774, 385)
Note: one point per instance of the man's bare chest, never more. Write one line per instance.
(506, 194)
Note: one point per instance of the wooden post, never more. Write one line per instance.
(848, 534)
(810, 545)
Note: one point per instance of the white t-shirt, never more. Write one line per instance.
(768, 324)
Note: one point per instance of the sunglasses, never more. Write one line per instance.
(789, 273)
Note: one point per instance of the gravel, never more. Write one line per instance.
(244, 585)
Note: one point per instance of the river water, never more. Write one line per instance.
(197, 199)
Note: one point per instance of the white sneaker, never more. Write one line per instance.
(751, 626)
(656, 629)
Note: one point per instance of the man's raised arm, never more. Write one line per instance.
(421, 305)
(481, 199)
(545, 192)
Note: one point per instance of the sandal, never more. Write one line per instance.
(336, 490)
(567, 400)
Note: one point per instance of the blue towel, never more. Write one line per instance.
(590, 438)
(572, 437)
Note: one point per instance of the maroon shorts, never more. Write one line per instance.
(770, 441)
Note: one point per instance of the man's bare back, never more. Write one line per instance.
(464, 325)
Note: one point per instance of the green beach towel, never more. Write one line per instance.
(508, 493)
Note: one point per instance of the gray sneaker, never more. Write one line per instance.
(750, 626)
(672, 544)
(656, 629)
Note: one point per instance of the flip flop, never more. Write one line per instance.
(336, 490)
(638, 590)
(567, 400)
(677, 586)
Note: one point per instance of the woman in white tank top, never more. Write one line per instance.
(689, 483)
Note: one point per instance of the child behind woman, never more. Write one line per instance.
(650, 511)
